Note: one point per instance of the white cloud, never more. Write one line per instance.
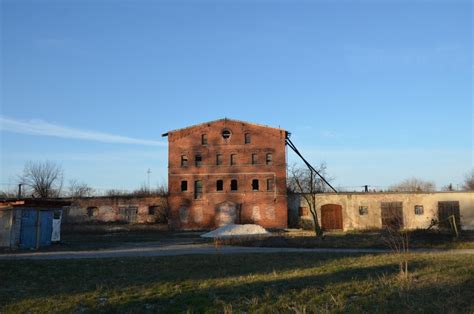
(43, 128)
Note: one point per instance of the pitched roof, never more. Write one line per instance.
(219, 120)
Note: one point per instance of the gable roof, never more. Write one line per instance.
(219, 120)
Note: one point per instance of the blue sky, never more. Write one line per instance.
(380, 90)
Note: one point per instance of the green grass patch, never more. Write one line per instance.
(289, 283)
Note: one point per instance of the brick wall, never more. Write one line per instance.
(116, 209)
(225, 154)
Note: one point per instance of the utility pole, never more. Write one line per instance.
(148, 177)
(19, 190)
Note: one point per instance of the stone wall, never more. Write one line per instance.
(126, 209)
(353, 220)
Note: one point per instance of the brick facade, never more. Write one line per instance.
(227, 171)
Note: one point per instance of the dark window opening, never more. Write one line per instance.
(204, 139)
(226, 134)
(269, 159)
(270, 184)
(233, 159)
(153, 210)
(219, 185)
(184, 161)
(198, 160)
(255, 184)
(197, 189)
(254, 159)
(92, 211)
(184, 186)
(363, 210)
(233, 185)
(218, 159)
(419, 209)
(247, 138)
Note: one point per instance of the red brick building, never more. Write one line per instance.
(227, 171)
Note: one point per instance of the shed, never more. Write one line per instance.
(28, 223)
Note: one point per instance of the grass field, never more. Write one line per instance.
(419, 239)
(292, 283)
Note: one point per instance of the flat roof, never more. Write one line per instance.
(34, 202)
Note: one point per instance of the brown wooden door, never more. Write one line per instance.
(331, 217)
(392, 215)
(445, 211)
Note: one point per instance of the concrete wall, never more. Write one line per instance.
(264, 207)
(10, 226)
(352, 220)
(113, 209)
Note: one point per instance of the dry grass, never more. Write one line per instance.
(356, 240)
(289, 283)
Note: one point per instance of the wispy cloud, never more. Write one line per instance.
(43, 128)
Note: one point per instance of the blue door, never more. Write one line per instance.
(28, 229)
(46, 218)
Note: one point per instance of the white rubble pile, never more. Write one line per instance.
(230, 231)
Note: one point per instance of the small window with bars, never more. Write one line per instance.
(419, 210)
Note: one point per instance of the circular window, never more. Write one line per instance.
(226, 134)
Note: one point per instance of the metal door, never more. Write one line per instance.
(28, 229)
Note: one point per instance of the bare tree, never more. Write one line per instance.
(79, 189)
(469, 181)
(413, 185)
(304, 181)
(398, 240)
(45, 179)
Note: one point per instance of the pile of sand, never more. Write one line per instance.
(230, 231)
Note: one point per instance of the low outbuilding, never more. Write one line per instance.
(30, 223)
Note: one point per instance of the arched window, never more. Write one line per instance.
(233, 185)
(226, 134)
(204, 139)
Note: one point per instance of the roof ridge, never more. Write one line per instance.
(218, 120)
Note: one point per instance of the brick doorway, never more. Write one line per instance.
(331, 217)
(226, 213)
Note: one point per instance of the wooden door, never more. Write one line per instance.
(447, 209)
(392, 215)
(331, 217)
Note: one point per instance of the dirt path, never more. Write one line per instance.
(186, 249)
